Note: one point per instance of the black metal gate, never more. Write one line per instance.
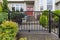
(32, 22)
(28, 22)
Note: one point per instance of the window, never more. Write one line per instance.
(49, 4)
(41, 7)
(13, 8)
(17, 7)
(49, 7)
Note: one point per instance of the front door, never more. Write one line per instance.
(29, 10)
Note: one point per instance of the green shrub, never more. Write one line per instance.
(57, 12)
(5, 6)
(56, 18)
(46, 13)
(3, 16)
(43, 21)
(8, 30)
(1, 8)
(16, 16)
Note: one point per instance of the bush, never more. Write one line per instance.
(57, 12)
(43, 21)
(5, 6)
(1, 8)
(16, 16)
(8, 30)
(56, 19)
(46, 13)
(3, 16)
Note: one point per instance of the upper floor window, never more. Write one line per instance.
(41, 7)
(41, 4)
(49, 4)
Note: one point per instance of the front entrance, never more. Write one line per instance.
(29, 9)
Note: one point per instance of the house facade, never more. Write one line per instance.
(31, 5)
(57, 4)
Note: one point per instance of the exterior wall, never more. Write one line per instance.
(57, 1)
(53, 5)
(36, 6)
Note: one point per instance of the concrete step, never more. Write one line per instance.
(38, 37)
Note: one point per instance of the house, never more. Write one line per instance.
(31, 5)
(57, 6)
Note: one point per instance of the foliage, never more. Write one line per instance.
(8, 30)
(56, 19)
(0, 8)
(24, 38)
(57, 12)
(16, 16)
(3, 16)
(5, 6)
(46, 13)
(43, 21)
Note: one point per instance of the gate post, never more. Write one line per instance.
(49, 21)
(59, 26)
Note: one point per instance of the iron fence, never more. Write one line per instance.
(55, 23)
(31, 21)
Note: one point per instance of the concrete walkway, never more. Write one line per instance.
(41, 36)
(37, 32)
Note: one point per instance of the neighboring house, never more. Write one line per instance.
(57, 6)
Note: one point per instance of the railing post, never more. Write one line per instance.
(49, 21)
(59, 26)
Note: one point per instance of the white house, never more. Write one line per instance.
(31, 5)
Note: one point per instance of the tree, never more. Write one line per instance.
(4, 5)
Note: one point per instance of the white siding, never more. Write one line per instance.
(37, 6)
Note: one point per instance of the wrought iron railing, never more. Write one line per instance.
(30, 21)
